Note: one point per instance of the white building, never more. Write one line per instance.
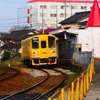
(90, 37)
(48, 13)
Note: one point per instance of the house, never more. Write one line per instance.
(67, 42)
(12, 41)
(77, 21)
(86, 28)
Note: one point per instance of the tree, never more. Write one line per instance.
(6, 55)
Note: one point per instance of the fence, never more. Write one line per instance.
(78, 88)
(83, 57)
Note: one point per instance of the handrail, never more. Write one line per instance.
(78, 88)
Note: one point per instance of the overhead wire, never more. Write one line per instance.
(11, 23)
(4, 25)
(14, 18)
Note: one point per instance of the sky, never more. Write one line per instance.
(12, 13)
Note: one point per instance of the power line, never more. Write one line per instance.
(10, 23)
(14, 18)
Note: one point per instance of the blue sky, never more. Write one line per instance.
(9, 11)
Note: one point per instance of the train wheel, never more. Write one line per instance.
(29, 64)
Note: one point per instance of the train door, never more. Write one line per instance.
(43, 48)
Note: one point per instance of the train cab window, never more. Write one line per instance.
(35, 42)
(51, 42)
(43, 44)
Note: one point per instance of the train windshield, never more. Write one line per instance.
(51, 42)
(35, 42)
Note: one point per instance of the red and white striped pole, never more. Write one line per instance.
(28, 18)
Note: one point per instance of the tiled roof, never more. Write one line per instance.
(16, 35)
(77, 17)
(11, 45)
(13, 39)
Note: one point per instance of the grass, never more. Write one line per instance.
(2, 71)
(74, 75)
(14, 61)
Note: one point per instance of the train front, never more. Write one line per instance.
(44, 50)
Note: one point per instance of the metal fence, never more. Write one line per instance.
(78, 88)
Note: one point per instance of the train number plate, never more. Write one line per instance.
(43, 52)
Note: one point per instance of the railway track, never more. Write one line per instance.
(36, 96)
(51, 90)
(27, 89)
(9, 72)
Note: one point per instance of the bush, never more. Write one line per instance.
(6, 55)
(19, 63)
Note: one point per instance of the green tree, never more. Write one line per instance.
(6, 55)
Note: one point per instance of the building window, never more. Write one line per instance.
(90, 7)
(43, 14)
(31, 25)
(53, 15)
(62, 15)
(53, 7)
(83, 7)
(79, 49)
(43, 7)
(73, 7)
(62, 7)
(31, 8)
(30, 15)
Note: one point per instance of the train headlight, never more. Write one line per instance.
(52, 51)
(35, 52)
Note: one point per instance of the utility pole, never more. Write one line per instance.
(65, 9)
(56, 16)
(42, 21)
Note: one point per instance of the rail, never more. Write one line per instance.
(29, 88)
(54, 87)
(8, 73)
(78, 88)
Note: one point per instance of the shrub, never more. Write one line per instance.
(19, 63)
(6, 55)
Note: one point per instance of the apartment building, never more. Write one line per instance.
(48, 13)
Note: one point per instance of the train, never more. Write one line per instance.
(39, 50)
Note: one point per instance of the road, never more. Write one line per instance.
(94, 92)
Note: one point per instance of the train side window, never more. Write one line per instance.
(43, 44)
(51, 42)
(35, 42)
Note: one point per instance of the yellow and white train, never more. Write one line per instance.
(39, 50)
